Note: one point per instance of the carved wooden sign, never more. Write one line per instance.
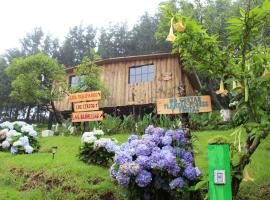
(86, 106)
(87, 116)
(189, 104)
(85, 96)
(167, 76)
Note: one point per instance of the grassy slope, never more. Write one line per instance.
(77, 178)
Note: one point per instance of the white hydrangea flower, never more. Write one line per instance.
(27, 128)
(7, 124)
(98, 132)
(17, 143)
(33, 133)
(88, 137)
(5, 144)
(24, 140)
(28, 149)
(13, 133)
(101, 143)
(19, 123)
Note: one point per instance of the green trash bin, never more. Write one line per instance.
(219, 172)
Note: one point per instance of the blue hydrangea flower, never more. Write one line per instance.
(113, 172)
(143, 161)
(122, 157)
(123, 179)
(167, 140)
(149, 130)
(24, 140)
(143, 150)
(132, 137)
(177, 183)
(110, 146)
(143, 178)
(190, 173)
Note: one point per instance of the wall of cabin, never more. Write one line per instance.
(115, 75)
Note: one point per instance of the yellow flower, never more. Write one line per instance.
(266, 73)
(171, 37)
(237, 84)
(221, 89)
(247, 176)
(180, 27)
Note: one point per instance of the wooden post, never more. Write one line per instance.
(219, 172)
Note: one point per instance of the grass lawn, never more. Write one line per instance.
(38, 176)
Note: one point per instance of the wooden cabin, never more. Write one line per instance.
(138, 80)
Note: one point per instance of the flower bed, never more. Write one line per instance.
(155, 165)
(96, 150)
(18, 137)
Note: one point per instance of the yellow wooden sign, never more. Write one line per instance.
(86, 106)
(85, 96)
(189, 104)
(87, 116)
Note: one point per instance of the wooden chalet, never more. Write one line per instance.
(134, 81)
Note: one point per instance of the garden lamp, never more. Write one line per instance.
(54, 150)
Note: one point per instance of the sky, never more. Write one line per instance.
(18, 17)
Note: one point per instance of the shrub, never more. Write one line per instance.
(18, 137)
(128, 123)
(155, 166)
(111, 124)
(142, 124)
(96, 150)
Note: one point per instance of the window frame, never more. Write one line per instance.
(138, 72)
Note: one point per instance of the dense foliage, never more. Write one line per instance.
(243, 64)
(155, 166)
(18, 137)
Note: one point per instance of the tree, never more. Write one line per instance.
(115, 41)
(89, 77)
(244, 59)
(78, 43)
(36, 80)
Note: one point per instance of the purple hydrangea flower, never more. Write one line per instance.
(129, 168)
(132, 137)
(143, 161)
(123, 179)
(159, 131)
(110, 146)
(149, 130)
(179, 137)
(5, 144)
(143, 178)
(178, 182)
(167, 140)
(122, 157)
(187, 156)
(143, 150)
(190, 173)
(113, 172)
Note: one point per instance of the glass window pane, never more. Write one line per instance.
(132, 79)
(138, 79)
(138, 70)
(132, 71)
(144, 69)
(151, 77)
(144, 77)
(151, 68)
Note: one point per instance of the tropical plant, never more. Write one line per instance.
(244, 62)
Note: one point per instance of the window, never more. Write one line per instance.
(73, 81)
(140, 74)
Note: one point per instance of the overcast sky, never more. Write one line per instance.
(17, 17)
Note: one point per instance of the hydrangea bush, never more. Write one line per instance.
(18, 137)
(96, 150)
(155, 166)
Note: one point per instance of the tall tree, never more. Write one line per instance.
(78, 43)
(37, 80)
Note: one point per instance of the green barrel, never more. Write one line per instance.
(219, 172)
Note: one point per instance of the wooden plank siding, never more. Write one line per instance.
(115, 75)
